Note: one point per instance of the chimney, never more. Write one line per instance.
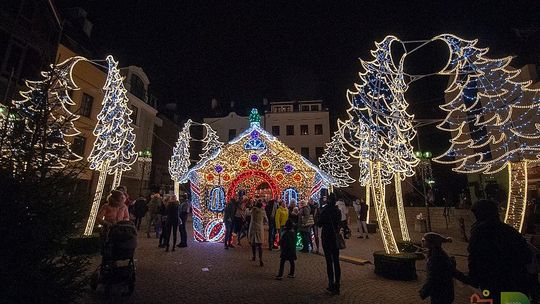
(214, 104)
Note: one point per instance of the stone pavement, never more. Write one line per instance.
(178, 277)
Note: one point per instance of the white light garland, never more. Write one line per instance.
(180, 161)
(335, 162)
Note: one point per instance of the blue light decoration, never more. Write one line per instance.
(290, 194)
(254, 142)
(218, 169)
(254, 158)
(216, 200)
(288, 168)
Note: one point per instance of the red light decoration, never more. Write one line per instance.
(297, 177)
(209, 177)
(226, 177)
(279, 177)
(252, 173)
(243, 162)
(265, 163)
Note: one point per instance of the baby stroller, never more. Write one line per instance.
(119, 243)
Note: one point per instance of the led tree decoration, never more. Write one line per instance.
(211, 144)
(179, 162)
(335, 162)
(114, 148)
(45, 119)
(491, 117)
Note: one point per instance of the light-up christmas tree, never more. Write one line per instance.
(491, 118)
(211, 143)
(44, 116)
(335, 161)
(179, 162)
(114, 148)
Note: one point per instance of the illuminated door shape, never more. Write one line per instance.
(216, 202)
(290, 194)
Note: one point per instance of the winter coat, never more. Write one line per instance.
(256, 228)
(329, 221)
(439, 284)
(183, 209)
(270, 210)
(288, 245)
(140, 208)
(172, 213)
(362, 213)
(228, 213)
(343, 208)
(498, 255)
(153, 205)
(303, 215)
(282, 215)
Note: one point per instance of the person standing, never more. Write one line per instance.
(288, 250)
(114, 210)
(228, 218)
(238, 221)
(356, 206)
(344, 217)
(270, 210)
(172, 221)
(315, 212)
(282, 215)
(162, 230)
(183, 211)
(439, 284)
(153, 212)
(139, 211)
(498, 254)
(362, 217)
(304, 227)
(329, 222)
(256, 230)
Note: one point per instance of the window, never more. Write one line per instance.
(290, 130)
(86, 105)
(232, 134)
(137, 87)
(134, 114)
(304, 152)
(78, 145)
(314, 107)
(280, 109)
(318, 152)
(304, 130)
(275, 130)
(304, 108)
(318, 129)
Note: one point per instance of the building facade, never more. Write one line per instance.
(165, 137)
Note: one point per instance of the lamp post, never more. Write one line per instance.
(145, 157)
(425, 167)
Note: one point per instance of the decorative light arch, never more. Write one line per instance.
(252, 173)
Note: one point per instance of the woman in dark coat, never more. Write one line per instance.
(173, 220)
(287, 244)
(439, 284)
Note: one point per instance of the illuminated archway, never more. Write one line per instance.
(249, 174)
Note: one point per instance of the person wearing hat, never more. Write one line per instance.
(439, 284)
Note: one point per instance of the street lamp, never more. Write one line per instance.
(427, 178)
(145, 157)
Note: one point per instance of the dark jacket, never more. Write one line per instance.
(498, 255)
(228, 213)
(270, 210)
(288, 245)
(329, 221)
(364, 208)
(140, 208)
(439, 284)
(172, 214)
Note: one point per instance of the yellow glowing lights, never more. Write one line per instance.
(517, 198)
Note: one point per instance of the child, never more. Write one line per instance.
(288, 250)
(440, 270)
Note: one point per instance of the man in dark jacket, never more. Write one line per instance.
(329, 221)
(139, 210)
(270, 210)
(183, 210)
(498, 254)
(228, 216)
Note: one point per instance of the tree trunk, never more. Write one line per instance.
(377, 187)
(117, 179)
(517, 196)
(368, 199)
(177, 189)
(97, 199)
(401, 209)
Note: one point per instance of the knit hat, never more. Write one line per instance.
(436, 239)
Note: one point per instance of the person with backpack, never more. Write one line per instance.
(183, 211)
(287, 244)
(153, 212)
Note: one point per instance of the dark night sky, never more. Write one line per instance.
(243, 51)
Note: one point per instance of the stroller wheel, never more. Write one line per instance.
(94, 281)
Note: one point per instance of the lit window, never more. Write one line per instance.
(304, 130)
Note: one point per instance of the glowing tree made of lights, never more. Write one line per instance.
(211, 144)
(114, 149)
(180, 161)
(491, 115)
(335, 161)
(44, 116)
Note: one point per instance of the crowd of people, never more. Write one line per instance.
(500, 259)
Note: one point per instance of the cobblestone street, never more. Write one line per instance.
(178, 277)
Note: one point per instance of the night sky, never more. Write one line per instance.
(243, 51)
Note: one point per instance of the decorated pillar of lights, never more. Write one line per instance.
(491, 115)
(114, 148)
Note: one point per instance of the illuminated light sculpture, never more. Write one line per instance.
(44, 116)
(114, 148)
(179, 162)
(335, 161)
(491, 115)
(253, 159)
(211, 144)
